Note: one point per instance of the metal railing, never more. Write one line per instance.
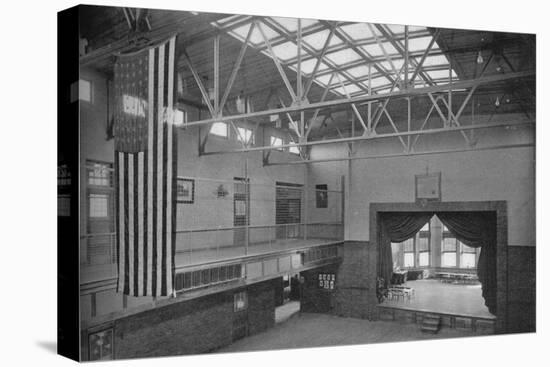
(211, 244)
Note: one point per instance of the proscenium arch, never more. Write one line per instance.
(498, 207)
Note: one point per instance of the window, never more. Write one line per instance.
(294, 149)
(134, 105)
(63, 205)
(99, 174)
(448, 249)
(81, 90)
(416, 250)
(408, 253)
(99, 205)
(180, 117)
(276, 142)
(240, 301)
(423, 245)
(219, 129)
(467, 256)
(245, 135)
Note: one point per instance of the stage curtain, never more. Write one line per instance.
(478, 229)
(396, 227)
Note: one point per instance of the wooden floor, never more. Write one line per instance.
(435, 296)
(305, 330)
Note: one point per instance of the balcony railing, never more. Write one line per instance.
(195, 246)
(212, 244)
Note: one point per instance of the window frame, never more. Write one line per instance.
(238, 133)
(226, 136)
(275, 137)
(445, 233)
(423, 234)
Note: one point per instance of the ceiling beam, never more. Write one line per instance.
(366, 98)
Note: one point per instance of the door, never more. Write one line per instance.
(288, 206)
(241, 210)
(100, 244)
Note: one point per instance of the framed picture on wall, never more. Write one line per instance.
(321, 196)
(185, 191)
(428, 187)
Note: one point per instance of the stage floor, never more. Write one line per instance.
(434, 296)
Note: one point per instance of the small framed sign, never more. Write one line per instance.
(326, 281)
(428, 187)
(185, 191)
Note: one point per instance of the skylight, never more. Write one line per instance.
(256, 37)
(420, 44)
(317, 40)
(359, 31)
(309, 65)
(340, 55)
(375, 50)
(291, 24)
(343, 57)
(440, 74)
(285, 51)
(350, 89)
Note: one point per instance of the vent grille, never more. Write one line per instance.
(206, 277)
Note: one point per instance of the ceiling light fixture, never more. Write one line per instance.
(479, 58)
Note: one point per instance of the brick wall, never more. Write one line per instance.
(187, 327)
(356, 293)
(193, 326)
(261, 306)
(314, 298)
(521, 289)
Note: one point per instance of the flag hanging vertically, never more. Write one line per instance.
(145, 166)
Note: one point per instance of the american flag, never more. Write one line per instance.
(145, 166)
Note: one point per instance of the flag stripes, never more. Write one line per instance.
(145, 184)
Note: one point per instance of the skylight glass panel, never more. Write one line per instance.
(399, 29)
(397, 63)
(324, 79)
(309, 65)
(375, 50)
(359, 71)
(440, 74)
(230, 20)
(359, 31)
(415, 29)
(285, 51)
(343, 57)
(378, 82)
(256, 37)
(396, 28)
(420, 43)
(435, 60)
(317, 40)
(291, 24)
(350, 89)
